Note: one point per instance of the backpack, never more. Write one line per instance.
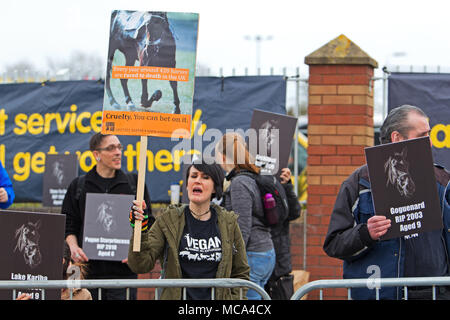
(270, 184)
(81, 182)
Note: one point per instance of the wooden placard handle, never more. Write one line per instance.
(140, 192)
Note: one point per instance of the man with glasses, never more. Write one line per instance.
(354, 230)
(105, 177)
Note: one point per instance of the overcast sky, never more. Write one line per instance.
(419, 30)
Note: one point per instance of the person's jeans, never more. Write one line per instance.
(261, 268)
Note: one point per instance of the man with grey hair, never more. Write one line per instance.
(354, 231)
(398, 121)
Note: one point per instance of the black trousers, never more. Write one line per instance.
(114, 294)
(426, 293)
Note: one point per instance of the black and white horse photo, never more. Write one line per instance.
(269, 136)
(145, 37)
(105, 216)
(58, 171)
(397, 169)
(27, 237)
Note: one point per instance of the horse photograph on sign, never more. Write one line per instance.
(32, 248)
(397, 169)
(105, 216)
(150, 68)
(274, 135)
(27, 236)
(107, 232)
(60, 170)
(403, 186)
(151, 37)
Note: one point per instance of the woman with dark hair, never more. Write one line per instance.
(244, 198)
(199, 240)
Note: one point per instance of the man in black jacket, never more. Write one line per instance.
(105, 177)
(354, 231)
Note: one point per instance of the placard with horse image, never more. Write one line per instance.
(107, 231)
(149, 83)
(404, 186)
(32, 250)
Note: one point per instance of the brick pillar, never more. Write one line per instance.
(340, 125)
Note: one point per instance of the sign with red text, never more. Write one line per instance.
(149, 84)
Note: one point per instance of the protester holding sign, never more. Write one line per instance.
(354, 231)
(195, 240)
(105, 177)
(6, 189)
(280, 285)
(244, 198)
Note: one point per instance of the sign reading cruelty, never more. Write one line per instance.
(274, 134)
(404, 186)
(166, 64)
(32, 248)
(149, 85)
(107, 231)
(60, 170)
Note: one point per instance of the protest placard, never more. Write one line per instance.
(32, 247)
(60, 170)
(165, 65)
(149, 85)
(273, 143)
(404, 186)
(107, 232)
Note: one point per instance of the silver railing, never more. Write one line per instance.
(372, 283)
(134, 283)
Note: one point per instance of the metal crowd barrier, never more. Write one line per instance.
(374, 283)
(134, 283)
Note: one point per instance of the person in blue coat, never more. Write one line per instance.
(354, 231)
(6, 189)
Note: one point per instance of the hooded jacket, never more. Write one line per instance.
(348, 237)
(168, 229)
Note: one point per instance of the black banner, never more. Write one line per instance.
(431, 93)
(60, 117)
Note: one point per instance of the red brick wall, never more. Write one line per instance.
(340, 125)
